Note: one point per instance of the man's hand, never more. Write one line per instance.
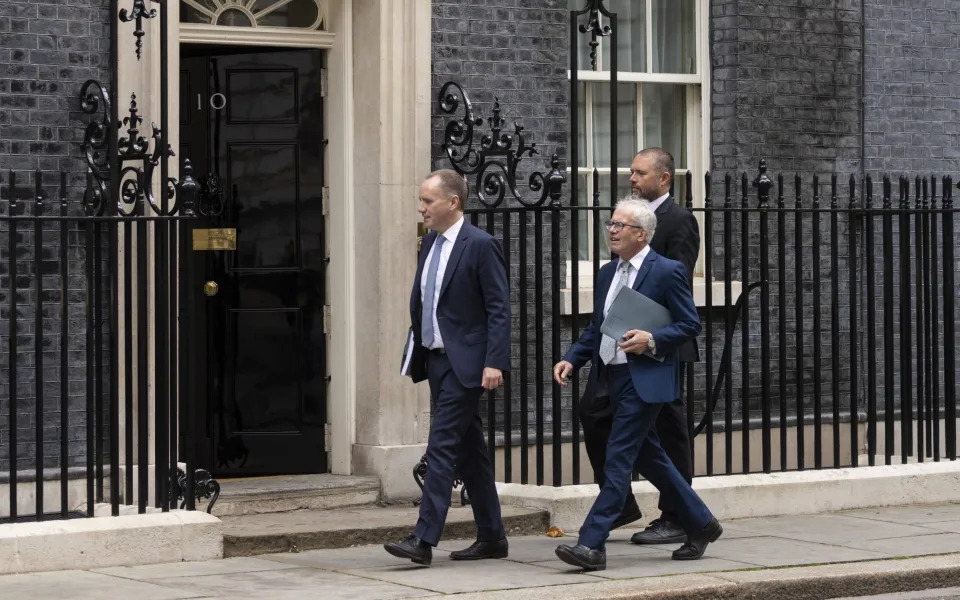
(635, 341)
(492, 378)
(561, 371)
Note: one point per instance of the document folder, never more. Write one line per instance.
(407, 355)
(632, 310)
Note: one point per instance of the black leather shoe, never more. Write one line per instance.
(413, 548)
(660, 531)
(581, 556)
(697, 543)
(479, 550)
(627, 518)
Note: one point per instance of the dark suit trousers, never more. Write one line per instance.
(596, 416)
(456, 444)
(634, 444)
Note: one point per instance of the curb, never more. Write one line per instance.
(531, 523)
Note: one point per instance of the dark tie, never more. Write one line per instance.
(426, 316)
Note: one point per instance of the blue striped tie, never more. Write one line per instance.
(426, 316)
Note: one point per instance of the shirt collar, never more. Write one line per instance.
(655, 204)
(637, 259)
(453, 231)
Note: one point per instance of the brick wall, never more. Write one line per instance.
(912, 78)
(516, 51)
(47, 51)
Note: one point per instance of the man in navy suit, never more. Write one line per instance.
(639, 386)
(460, 314)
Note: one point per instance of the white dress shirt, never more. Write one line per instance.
(620, 357)
(450, 235)
(655, 204)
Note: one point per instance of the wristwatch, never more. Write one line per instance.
(652, 345)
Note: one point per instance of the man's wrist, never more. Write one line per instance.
(652, 345)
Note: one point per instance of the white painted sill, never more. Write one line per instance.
(585, 292)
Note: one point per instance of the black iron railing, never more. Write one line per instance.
(829, 326)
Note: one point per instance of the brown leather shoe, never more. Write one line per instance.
(697, 543)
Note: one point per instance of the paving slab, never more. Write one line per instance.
(779, 552)
(938, 543)
(626, 566)
(195, 569)
(84, 585)
(912, 514)
(828, 529)
(453, 577)
(292, 584)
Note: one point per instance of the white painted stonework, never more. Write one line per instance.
(110, 541)
(765, 495)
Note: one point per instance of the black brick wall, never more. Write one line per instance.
(514, 50)
(47, 51)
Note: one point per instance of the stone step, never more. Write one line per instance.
(301, 530)
(279, 494)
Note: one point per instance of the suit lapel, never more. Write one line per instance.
(455, 256)
(645, 268)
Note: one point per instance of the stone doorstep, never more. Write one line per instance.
(258, 495)
(764, 494)
(96, 542)
(296, 531)
(819, 582)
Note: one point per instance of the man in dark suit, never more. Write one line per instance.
(460, 315)
(678, 238)
(639, 387)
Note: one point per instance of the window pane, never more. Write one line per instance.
(680, 189)
(665, 119)
(631, 36)
(674, 36)
(582, 125)
(626, 123)
(298, 13)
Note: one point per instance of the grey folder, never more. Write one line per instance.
(632, 310)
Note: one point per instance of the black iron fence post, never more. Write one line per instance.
(763, 183)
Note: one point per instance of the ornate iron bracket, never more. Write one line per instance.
(205, 486)
(139, 12)
(420, 473)
(593, 10)
(495, 159)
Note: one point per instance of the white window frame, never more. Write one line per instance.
(697, 98)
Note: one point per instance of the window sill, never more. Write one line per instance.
(585, 295)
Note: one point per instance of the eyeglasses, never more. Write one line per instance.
(617, 226)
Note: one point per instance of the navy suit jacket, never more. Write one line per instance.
(473, 311)
(664, 281)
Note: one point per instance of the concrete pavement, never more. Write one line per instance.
(852, 553)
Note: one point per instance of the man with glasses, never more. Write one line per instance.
(678, 238)
(638, 387)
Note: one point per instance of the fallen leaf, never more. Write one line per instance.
(554, 532)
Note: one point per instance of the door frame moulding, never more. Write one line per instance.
(285, 37)
(342, 389)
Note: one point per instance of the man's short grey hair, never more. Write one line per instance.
(639, 211)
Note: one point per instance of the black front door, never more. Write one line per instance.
(252, 125)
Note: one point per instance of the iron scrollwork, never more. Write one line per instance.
(420, 473)
(497, 156)
(139, 12)
(205, 486)
(594, 9)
